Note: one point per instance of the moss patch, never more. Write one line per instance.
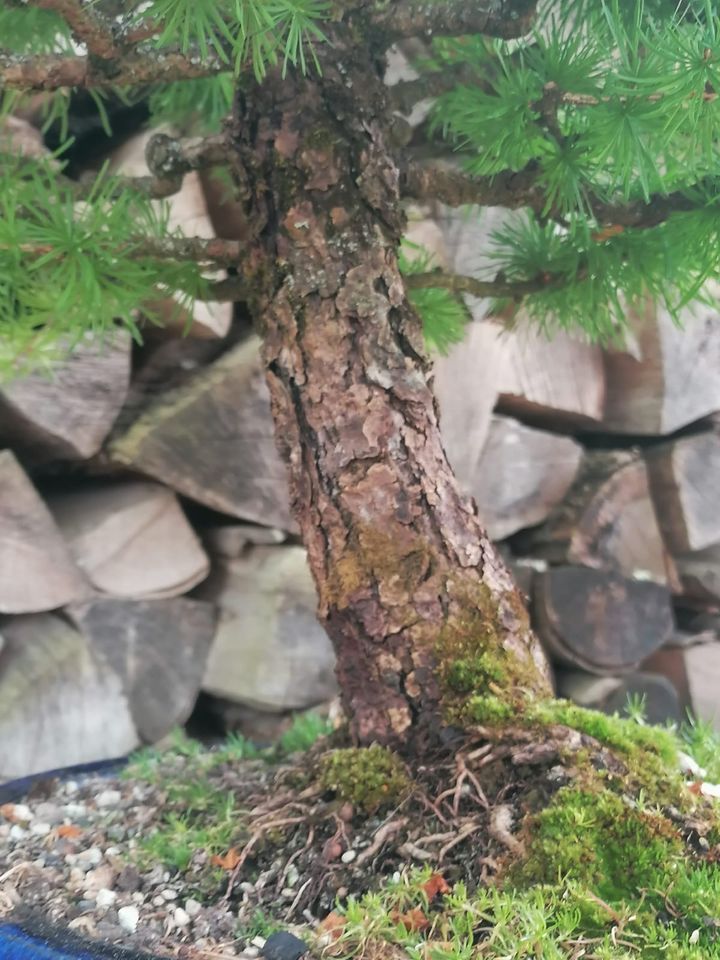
(475, 670)
(367, 777)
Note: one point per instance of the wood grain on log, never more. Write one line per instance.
(465, 385)
(37, 571)
(521, 475)
(131, 539)
(670, 377)
(59, 705)
(607, 521)
(270, 652)
(683, 480)
(598, 620)
(66, 414)
(213, 441)
(157, 650)
(552, 381)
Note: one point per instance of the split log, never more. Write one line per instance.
(213, 441)
(521, 475)
(670, 378)
(157, 649)
(68, 414)
(58, 704)
(37, 571)
(607, 521)
(661, 703)
(465, 386)
(188, 213)
(270, 652)
(683, 480)
(553, 381)
(131, 539)
(598, 620)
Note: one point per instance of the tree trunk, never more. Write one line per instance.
(420, 608)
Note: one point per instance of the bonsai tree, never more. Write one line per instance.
(596, 122)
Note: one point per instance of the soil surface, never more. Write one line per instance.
(87, 853)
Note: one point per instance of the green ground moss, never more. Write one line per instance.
(369, 778)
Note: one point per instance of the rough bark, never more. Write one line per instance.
(407, 579)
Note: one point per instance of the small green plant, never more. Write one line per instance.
(702, 742)
(306, 729)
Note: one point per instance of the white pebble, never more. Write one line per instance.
(17, 832)
(91, 857)
(192, 907)
(74, 811)
(258, 942)
(21, 812)
(105, 898)
(250, 953)
(348, 856)
(128, 918)
(40, 829)
(169, 894)
(181, 918)
(689, 765)
(108, 798)
(71, 787)
(158, 901)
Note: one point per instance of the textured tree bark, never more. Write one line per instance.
(408, 581)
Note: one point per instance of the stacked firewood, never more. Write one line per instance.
(148, 555)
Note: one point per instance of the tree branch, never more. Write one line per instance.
(52, 72)
(458, 283)
(495, 18)
(213, 252)
(512, 189)
(521, 189)
(87, 25)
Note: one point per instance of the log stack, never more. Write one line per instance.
(148, 557)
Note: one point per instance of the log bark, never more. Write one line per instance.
(407, 579)
(607, 521)
(599, 621)
(682, 479)
(669, 378)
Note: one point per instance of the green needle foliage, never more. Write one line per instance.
(69, 269)
(613, 105)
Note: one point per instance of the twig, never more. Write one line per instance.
(54, 71)
(87, 25)
(215, 252)
(499, 287)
